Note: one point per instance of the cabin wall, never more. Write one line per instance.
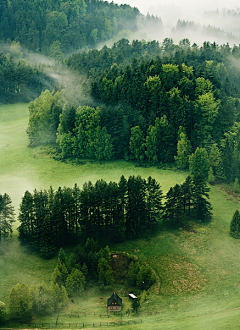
(114, 308)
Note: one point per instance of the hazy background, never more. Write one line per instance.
(202, 12)
(185, 8)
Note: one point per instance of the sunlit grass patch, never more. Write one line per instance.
(179, 275)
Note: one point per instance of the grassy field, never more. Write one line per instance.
(199, 272)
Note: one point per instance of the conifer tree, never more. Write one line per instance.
(235, 225)
(187, 188)
(199, 196)
(6, 216)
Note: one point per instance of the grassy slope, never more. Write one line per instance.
(201, 271)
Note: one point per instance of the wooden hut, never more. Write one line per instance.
(114, 303)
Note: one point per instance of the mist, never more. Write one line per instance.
(213, 20)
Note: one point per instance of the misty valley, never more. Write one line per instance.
(119, 167)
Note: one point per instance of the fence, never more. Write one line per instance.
(82, 314)
(59, 325)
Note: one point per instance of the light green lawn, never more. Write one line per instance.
(199, 272)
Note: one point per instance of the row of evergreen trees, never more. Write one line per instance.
(50, 218)
(113, 210)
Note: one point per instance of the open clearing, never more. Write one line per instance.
(199, 272)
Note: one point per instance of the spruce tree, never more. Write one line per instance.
(235, 225)
(199, 196)
(6, 216)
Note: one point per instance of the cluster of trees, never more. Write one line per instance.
(82, 135)
(191, 195)
(159, 102)
(68, 280)
(45, 298)
(21, 81)
(140, 275)
(51, 218)
(25, 301)
(7, 216)
(63, 26)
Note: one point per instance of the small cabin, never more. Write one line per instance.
(114, 303)
(132, 296)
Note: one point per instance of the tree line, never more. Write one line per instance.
(59, 27)
(112, 211)
(52, 218)
(21, 81)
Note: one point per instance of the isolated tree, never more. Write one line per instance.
(235, 225)
(6, 216)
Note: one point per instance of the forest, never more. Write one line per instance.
(149, 102)
(107, 104)
(63, 26)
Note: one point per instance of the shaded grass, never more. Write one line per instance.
(199, 272)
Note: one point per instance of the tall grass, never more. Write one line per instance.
(199, 272)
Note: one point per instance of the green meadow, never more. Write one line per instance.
(199, 273)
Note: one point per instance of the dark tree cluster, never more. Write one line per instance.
(52, 218)
(191, 197)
